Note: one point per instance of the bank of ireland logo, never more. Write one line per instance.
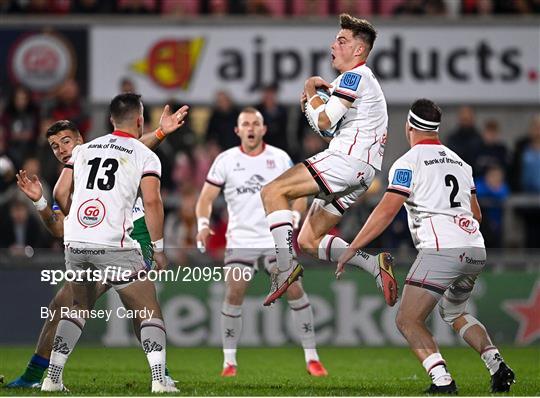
(91, 213)
(402, 177)
(170, 62)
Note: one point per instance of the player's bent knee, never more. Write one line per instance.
(307, 243)
(268, 192)
(449, 316)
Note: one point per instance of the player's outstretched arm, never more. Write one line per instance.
(63, 189)
(168, 123)
(154, 215)
(475, 208)
(31, 187)
(203, 211)
(377, 222)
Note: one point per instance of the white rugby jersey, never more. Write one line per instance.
(107, 173)
(438, 185)
(361, 132)
(242, 177)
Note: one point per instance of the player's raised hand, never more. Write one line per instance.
(31, 187)
(202, 238)
(161, 260)
(343, 260)
(170, 122)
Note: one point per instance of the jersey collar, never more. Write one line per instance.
(121, 134)
(257, 154)
(429, 141)
(359, 64)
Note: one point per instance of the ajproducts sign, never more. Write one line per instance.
(451, 64)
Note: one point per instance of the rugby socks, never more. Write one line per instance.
(331, 247)
(231, 328)
(35, 369)
(281, 226)
(153, 341)
(492, 358)
(302, 315)
(67, 334)
(436, 368)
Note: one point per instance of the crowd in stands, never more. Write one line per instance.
(272, 8)
(501, 171)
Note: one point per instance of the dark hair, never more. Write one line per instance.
(361, 28)
(427, 110)
(123, 106)
(62, 125)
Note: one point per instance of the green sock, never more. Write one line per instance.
(35, 369)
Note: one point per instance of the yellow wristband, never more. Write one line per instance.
(160, 135)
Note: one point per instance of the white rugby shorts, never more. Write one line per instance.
(438, 270)
(118, 267)
(341, 179)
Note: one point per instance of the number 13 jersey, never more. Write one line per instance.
(106, 176)
(438, 185)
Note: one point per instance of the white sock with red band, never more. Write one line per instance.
(492, 358)
(435, 366)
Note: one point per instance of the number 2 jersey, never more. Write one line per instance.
(438, 185)
(106, 176)
(242, 177)
(361, 132)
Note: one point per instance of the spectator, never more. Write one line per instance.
(493, 151)
(222, 122)
(318, 8)
(180, 227)
(68, 105)
(492, 191)
(217, 8)
(20, 124)
(7, 175)
(530, 184)
(21, 231)
(128, 86)
(530, 163)
(90, 7)
(410, 7)
(435, 7)
(136, 7)
(465, 139)
(520, 147)
(275, 118)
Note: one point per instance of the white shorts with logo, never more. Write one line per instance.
(118, 267)
(254, 259)
(341, 179)
(454, 270)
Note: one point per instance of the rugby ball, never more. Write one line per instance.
(325, 96)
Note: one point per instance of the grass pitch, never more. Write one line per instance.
(275, 372)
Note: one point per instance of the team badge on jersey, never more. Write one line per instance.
(350, 81)
(91, 213)
(402, 177)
